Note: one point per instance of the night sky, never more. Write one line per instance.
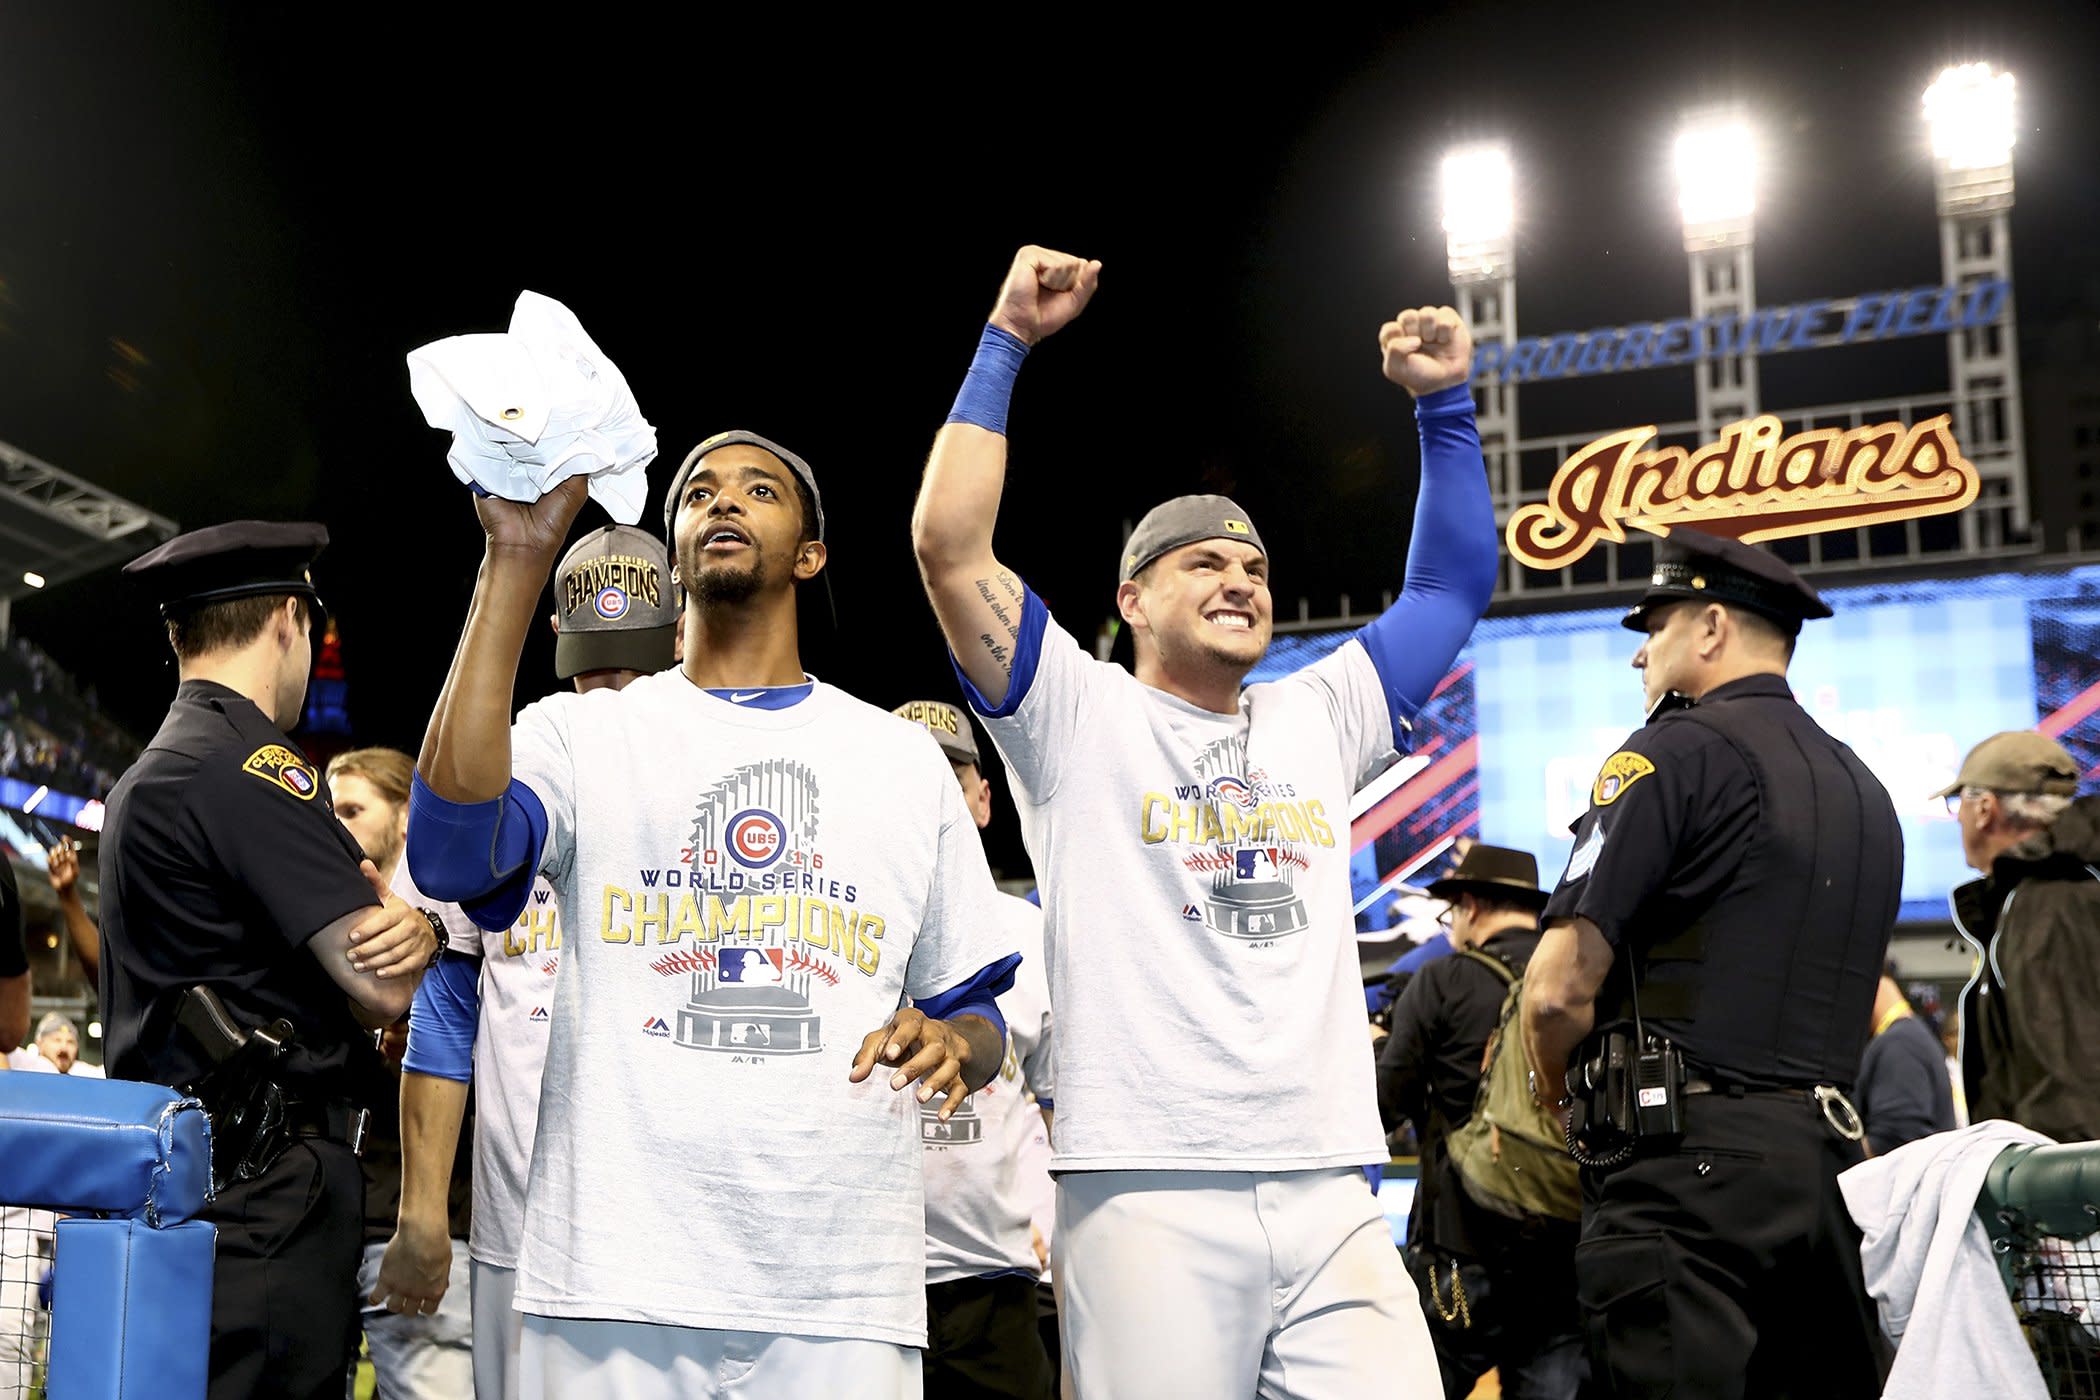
(795, 225)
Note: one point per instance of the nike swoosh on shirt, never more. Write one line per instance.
(741, 696)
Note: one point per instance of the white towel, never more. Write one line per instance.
(534, 406)
(1928, 1264)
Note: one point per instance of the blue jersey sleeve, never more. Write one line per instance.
(1452, 559)
(443, 1019)
(481, 856)
(976, 996)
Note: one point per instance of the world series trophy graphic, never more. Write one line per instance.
(754, 1000)
(1252, 890)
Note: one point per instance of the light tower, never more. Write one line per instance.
(1480, 246)
(1969, 110)
(1716, 160)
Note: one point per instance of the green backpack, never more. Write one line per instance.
(1511, 1155)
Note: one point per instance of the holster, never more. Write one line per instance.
(240, 1091)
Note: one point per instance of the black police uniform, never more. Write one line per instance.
(221, 856)
(1745, 868)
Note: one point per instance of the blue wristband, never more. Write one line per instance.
(988, 389)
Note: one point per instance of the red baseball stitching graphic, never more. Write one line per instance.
(672, 964)
(800, 961)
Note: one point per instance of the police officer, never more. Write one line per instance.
(224, 867)
(1733, 886)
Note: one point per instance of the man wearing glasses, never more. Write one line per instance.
(2027, 1016)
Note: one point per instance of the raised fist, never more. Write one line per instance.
(538, 527)
(1043, 291)
(1426, 348)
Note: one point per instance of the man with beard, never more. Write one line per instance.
(751, 865)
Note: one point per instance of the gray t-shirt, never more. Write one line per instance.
(1195, 876)
(745, 894)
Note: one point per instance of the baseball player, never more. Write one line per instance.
(482, 1014)
(981, 1262)
(1214, 1237)
(722, 1194)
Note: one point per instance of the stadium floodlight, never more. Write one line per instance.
(1716, 160)
(1480, 212)
(1969, 109)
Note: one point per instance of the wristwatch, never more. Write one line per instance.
(437, 928)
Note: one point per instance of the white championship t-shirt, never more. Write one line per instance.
(1195, 876)
(746, 894)
(518, 967)
(979, 1192)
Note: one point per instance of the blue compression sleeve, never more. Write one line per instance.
(442, 1021)
(988, 389)
(975, 997)
(1452, 558)
(478, 855)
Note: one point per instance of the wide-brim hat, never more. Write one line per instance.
(1495, 872)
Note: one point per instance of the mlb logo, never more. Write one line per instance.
(749, 967)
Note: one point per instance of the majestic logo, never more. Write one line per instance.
(611, 603)
(1620, 772)
(278, 765)
(1192, 913)
(756, 838)
(539, 1013)
(656, 1026)
(1752, 485)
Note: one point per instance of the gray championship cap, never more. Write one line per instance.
(730, 439)
(1185, 520)
(614, 606)
(948, 725)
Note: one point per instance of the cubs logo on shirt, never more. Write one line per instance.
(756, 838)
(278, 765)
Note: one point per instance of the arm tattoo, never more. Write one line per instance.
(998, 609)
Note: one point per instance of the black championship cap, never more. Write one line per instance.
(614, 606)
(1691, 564)
(1496, 872)
(948, 725)
(692, 459)
(1185, 520)
(240, 559)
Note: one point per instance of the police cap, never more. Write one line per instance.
(240, 559)
(1691, 564)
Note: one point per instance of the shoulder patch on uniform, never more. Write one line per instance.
(280, 767)
(1620, 772)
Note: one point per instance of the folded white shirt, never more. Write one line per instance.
(534, 406)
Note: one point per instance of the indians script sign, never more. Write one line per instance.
(1752, 485)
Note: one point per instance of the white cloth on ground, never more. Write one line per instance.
(533, 406)
(1928, 1264)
